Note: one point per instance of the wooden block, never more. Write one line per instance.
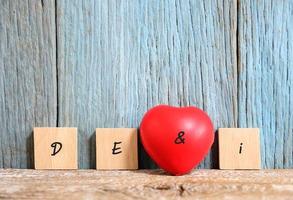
(116, 148)
(239, 148)
(55, 148)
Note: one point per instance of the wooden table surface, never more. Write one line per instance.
(145, 184)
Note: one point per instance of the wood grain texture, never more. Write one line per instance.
(27, 76)
(143, 184)
(117, 59)
(265, 42)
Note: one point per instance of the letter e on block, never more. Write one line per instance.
(116, 148)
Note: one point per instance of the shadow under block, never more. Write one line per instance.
(55, 148)
(116, 148)
(239, 148)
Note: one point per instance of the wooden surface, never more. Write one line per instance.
(265, 76)
(66, 154)
(117, 59)
(28, 84)
(95, 63)
(143, 184)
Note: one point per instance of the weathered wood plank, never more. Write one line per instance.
(143, 184)
(27, 76)
(266, 77)
(116, 59)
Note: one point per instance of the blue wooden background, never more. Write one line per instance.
(88, 64)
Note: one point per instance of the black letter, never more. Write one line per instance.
(116, 148)
(54, 145)
(240, 149)
(180, 139)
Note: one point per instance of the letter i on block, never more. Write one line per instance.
(239, 148)
(116, 148)
(55, 148)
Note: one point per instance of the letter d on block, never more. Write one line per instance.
(57, 146)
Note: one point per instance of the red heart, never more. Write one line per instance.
(177, 139)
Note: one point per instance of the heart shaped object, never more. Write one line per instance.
(177, 139)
